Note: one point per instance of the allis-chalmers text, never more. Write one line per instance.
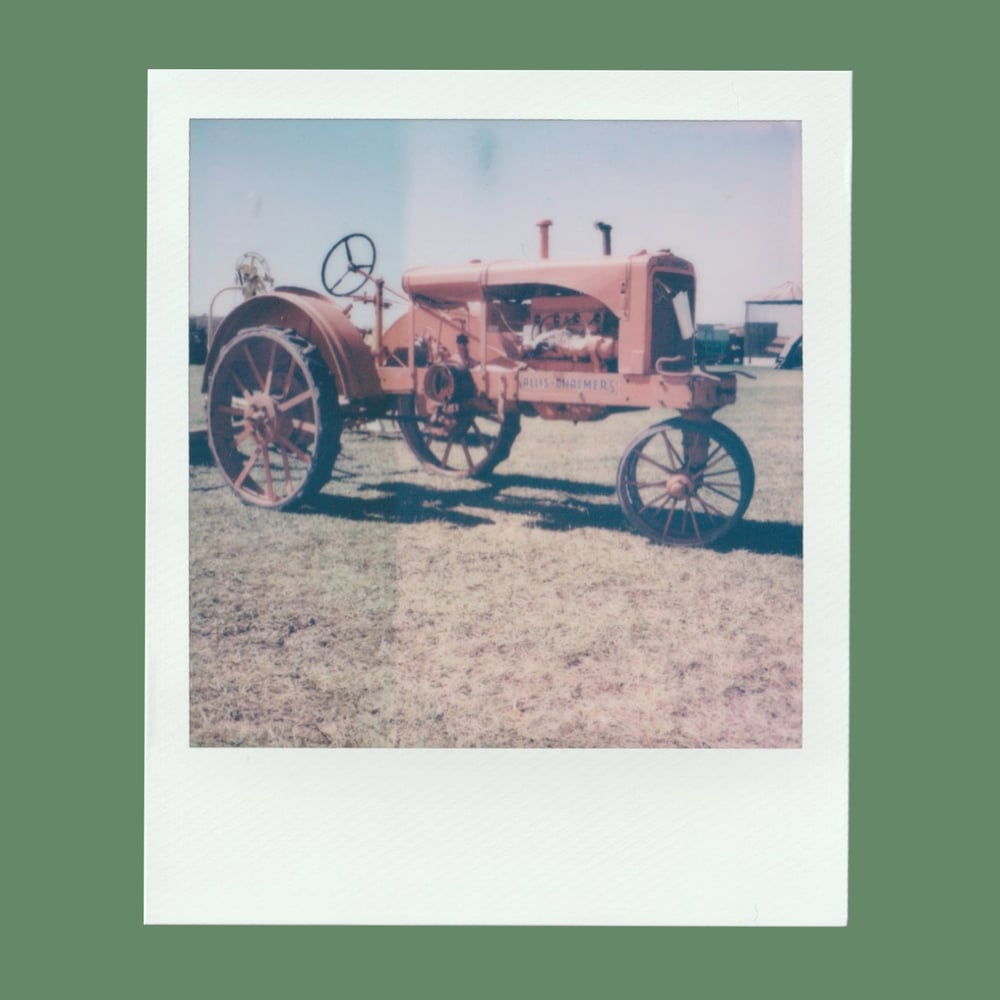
(569, 383)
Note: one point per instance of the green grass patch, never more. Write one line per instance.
(407, 610)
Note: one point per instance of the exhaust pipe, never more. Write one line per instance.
(605, 236)
(543, 233)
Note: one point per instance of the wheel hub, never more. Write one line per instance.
(264, 418)
(680, 486)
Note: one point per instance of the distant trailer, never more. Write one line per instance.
(791, 354)
(773, 320)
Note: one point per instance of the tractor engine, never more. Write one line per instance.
(564, 328)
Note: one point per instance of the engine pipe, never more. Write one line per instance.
(605, 229)
(543, 232)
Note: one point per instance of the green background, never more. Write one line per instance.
(922, 685)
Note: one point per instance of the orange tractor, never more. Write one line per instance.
(479, 347)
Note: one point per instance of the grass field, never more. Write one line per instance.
(408, 610)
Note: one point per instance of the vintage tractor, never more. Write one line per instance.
(480, 346)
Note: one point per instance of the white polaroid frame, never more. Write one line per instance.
(499, 837)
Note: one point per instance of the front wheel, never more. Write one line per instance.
(685, 482)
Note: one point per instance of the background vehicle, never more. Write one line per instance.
(479, 347)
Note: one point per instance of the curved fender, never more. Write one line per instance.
(319, 321)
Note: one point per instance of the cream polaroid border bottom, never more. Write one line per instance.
(502, 837)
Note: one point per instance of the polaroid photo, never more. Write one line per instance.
(497, 523)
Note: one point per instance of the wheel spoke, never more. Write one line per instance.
(239, 383)
(468, 457)
(712, 460)
(722, 493)
(251, 461)
(289, 484)
(295, 450)
(269, 482)
(289, 378)
(670, 517)
(709, 509)
(656, 500)
(720, 472)
(684, 518)
(247, 432)
(290, 404)
(643, 457)
(689, 509)
(270, 367)
(486, 441)
(305, 426)
(253, 366)
(680, 463)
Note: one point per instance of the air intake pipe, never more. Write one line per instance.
(543, 236)
(605, 229)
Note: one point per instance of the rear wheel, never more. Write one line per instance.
(685, 482)
(468, 443)
(273, 422)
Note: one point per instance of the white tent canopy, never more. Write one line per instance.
(773, 320)
(789, 292)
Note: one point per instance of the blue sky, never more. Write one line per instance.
(725, 195)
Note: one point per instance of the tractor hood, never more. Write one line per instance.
(602, 278)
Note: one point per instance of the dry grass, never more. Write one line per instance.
(407, 610)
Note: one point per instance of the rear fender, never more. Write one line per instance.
(315, 318)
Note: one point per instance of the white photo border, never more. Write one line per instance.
(501, 837)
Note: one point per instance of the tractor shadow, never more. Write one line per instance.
(548, 504)
(199, 452)
(764, 538)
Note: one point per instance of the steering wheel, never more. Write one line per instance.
(350, 257)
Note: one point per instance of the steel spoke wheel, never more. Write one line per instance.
(273, 423)
(470, 443)
(685, 482)
(348, 264)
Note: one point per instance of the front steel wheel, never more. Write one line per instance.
(469, 443)
(273, 422)
(685, 482)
